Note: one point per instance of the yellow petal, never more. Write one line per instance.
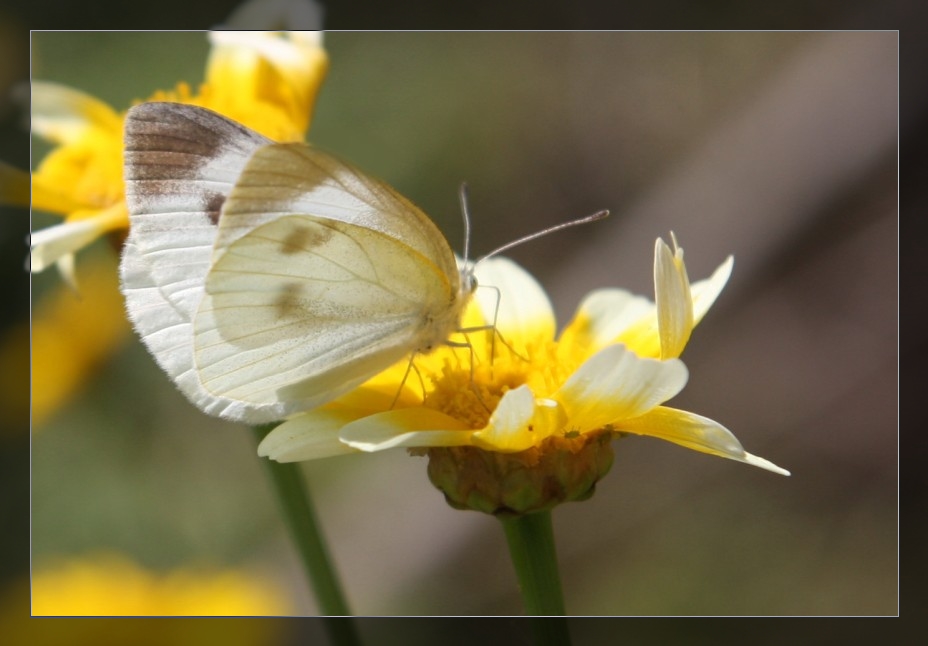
(266, 80)
(408, 427)
(85, 170)
(616, 384)
(694, 432)
(395, 387)
(52, 196)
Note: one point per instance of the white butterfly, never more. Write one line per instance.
(270, 278)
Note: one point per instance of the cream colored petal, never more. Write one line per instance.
(615, 384)
(694, 432)
(64, 115)
(48, 245)
(512, 427)
(603, 315)
(308, 38)
(642, 335)
(279, 51)
(672, 295)
(706, 291)
(509, 296)
(51, 244)
(66, 269)
(308, 437)
(407, 427)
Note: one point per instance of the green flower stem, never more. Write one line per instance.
(531, 547)
(300, 516)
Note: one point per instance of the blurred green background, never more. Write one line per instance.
(777, 147)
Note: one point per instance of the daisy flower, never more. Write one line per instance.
(515, 419)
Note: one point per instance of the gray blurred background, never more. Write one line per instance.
(777, 147)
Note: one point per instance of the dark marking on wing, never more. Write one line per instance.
(305, 238)
(181, 157)
(213, 205)
(288, 302)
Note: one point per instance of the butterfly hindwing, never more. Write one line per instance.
(305, 308)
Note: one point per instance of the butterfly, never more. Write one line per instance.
(268, 278)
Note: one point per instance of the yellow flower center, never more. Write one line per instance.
(470, 384)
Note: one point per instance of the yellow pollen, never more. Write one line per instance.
(472, 394)
(462, 396)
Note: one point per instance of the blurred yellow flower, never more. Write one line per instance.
(113, 585)
(73, 334)
(19, 627)
(519, 421)
(268, 81)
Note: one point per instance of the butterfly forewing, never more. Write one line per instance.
(281, 179)
(180, 166)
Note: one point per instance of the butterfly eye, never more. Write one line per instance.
(468, 280)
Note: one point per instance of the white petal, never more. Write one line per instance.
(277, 50)
(409, 427)
(755, 461)
(615, 384)
(307, 437)
(509, 296)
(706, 291)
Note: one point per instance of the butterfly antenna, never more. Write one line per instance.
(465, 213)
(599, 215)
